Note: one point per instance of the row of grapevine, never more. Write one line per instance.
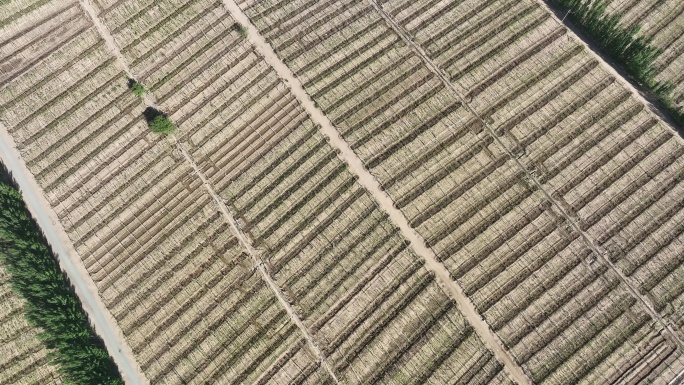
(166, 263)
(488, 200)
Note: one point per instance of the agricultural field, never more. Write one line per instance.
(357, 287)
(662, 21)
(535, 176)
(24, 357)
(165, 262)
(243, 249)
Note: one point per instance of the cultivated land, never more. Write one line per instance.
(23, 358)
(253, 247)
(662, 21)
(533, 174)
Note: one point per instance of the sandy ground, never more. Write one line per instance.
(104, 323)
(368, 181)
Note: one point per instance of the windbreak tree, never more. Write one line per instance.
(51, 303)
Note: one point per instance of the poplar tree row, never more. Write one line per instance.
(51, 303)
(623, 44)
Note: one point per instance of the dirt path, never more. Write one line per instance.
(228, 216)
(259, 265)
(104, 323)
(587, 239)
(102, 29)
(368, 181)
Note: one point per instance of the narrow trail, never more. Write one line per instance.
(368, 181)
(104, 323)
(586, 238)
(258, 263)
(149, 100)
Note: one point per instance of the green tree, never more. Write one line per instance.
(240, 29)
(138, 90)
(135, 87)
(162, 125)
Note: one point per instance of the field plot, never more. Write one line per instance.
(24, 357)
(663, 21)
(165, 262)
(373, 310)
(473, 191)
(525, 166)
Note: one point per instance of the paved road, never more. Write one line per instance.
(105, 325)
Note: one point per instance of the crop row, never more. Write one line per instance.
(605, 165)
(326, 245)
(320, 235)
(165, 261)
(480, 210)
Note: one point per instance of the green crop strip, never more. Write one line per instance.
(636, 54)
(51, 303)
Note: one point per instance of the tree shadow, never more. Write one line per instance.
(150, 113)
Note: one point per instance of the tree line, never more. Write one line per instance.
(624, 45)
(51, 303)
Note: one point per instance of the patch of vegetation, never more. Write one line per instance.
(162, 125)
(240, 29)
(137, 88)
(158, 121)
(51, 303)
(624, 45)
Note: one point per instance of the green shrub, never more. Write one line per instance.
(162, 125)
(135, 87)
(138, 90)
(241, 29)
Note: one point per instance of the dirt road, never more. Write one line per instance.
(532, 178)
(246, 243)
(149, 100)
(368, 181)
(105, 325)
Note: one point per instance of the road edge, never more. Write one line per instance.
(70, 262)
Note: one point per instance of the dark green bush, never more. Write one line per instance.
(137, 88)
(240, 29)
